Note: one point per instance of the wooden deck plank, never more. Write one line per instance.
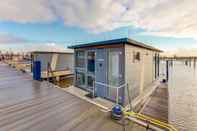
(157, 106)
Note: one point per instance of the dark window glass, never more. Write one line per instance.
(137, 57)
(91, 62)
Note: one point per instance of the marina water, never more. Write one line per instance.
(182, 95)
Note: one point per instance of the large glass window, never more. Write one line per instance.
(80, 59)
(113, 74)
(80, 78)
(91, 61)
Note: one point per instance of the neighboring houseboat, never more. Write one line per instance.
(19, 61)
(105, 68)
(54, 64)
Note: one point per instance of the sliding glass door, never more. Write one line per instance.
(115, 73)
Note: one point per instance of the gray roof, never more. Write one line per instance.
(116, 41)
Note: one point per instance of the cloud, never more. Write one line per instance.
(10, 39)
(53, 47)
(24, 11)
(181, 52)
(176, 18)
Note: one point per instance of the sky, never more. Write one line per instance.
(39, 24)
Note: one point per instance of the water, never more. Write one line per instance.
(183, 96)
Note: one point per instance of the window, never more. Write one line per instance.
(136, 56)
(91, 62)
(80, 78)
(80, 59)
(114, 67)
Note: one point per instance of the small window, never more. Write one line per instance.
(136, 56)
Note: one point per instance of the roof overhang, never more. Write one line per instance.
(116, 41)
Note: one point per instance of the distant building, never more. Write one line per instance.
(57, 61)
(102, 67)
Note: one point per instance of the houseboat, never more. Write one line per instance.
(113, 68)
(54, 64)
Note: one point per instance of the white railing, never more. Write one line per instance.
(110, 86)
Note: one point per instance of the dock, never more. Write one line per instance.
(157, 105)
(56, 73)
(22, 65)
(28, 105)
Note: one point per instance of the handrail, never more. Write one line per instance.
(100, 83)
(115, 87)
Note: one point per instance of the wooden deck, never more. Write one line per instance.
(157, 105)
(22, 65)
(27, 105)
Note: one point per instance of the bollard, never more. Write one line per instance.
(117, 112)
(167, 70)
(37, 70)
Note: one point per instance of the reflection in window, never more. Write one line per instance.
(80, 59)
(80, 78)
(113, 69)
(90, 81)
(91, 62)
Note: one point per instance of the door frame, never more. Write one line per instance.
(121, 70)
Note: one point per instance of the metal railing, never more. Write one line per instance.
(110, 86)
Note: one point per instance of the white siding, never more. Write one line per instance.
(138, 74)
(44, 59)
(64, 61)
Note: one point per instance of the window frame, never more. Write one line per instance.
(77, 58)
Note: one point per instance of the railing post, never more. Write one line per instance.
(117, 96)
(129, 97)
(93, 93)
(167, 70)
